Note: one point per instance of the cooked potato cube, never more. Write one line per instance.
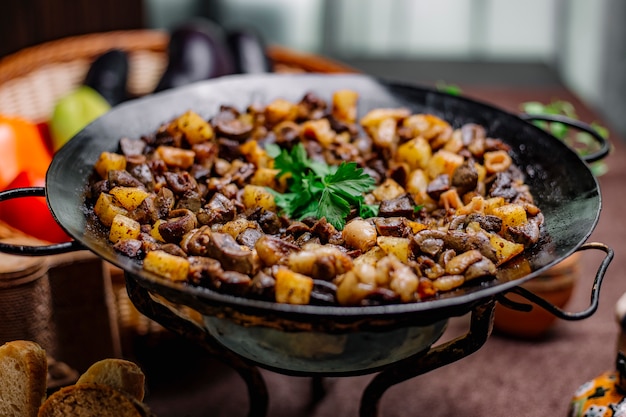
(455, 143)
(109, 161)
(176, 157)
(376, 116)
(237, 226)
(123, 227)
(344, 105)
(129, 197)
(280, 110)
(106, 209)
(370, 257)
(388, 190)
(417, 182)
(428, 126)
(292, 287)
(416, 153)
(512, 215)
(172, 267)
(256, 196)
(443, 162)
(255, 154)
(385, 134)
(268, 177)
(492, 203)
(505, 249)
(320, 131)
(193, 126)
(398, 246)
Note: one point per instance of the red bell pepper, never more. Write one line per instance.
(24, 160)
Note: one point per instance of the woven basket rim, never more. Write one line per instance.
(90, 45)
(77, 47)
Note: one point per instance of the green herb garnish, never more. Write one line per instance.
(452, 89)
(320, 190)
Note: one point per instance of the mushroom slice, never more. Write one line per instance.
(232, 256)
(180, 222)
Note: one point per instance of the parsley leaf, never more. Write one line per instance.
(319, 190)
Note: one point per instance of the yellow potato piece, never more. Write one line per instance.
(292, 287)
(193, 126)
(109, 161)
(172, 267)
(106, 208)
(256, 196)
(123, 227)
(505, 249)
(416, 153)
(512, 215)
(129, 197)
(398, 246)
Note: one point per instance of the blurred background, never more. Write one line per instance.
(578, 43)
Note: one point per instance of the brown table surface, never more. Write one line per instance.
(506, 377)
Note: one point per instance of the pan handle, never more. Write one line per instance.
(571, 316)
(24, 250)
(605, 146)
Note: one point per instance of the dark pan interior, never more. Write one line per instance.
(561, 182)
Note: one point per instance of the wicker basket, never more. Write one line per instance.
(32, 80)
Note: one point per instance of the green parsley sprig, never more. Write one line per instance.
(316, 189)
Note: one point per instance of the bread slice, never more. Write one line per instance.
(120, 374)
(23, 373)
(92, 400)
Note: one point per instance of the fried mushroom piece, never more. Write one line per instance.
(402, 206)
(208, 272)
(228, 124)
(122, 178)
(219, 209)
(177, 225)
(465, 177)
(273, 250)
(222, 247)
(527, 233)
(461, 241)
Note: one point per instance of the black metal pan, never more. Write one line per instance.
(562, 184)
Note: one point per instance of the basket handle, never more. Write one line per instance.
(24, 250)
(551, 308)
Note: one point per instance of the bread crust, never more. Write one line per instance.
(120, 374)
(29, 360)
(90, 400)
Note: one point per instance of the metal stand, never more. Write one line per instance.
(480, 328)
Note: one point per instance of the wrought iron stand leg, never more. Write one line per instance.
(318, 389)
(257, 389)
(480, 329)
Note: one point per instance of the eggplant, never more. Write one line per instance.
(108, 75)
(196, 51)
(249, 52)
